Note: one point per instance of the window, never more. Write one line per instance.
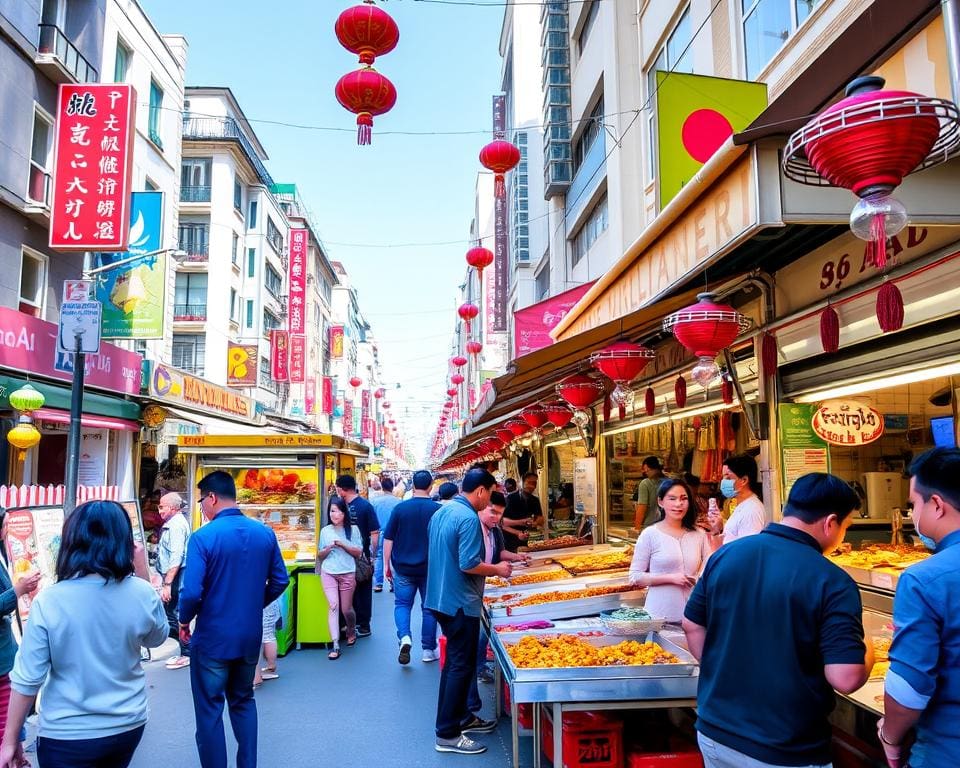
(675, 56)
(593, 227)
(270, 322)
(233, 304)
(251, 262)
(235, 253)
(190, 296)
(195, 175)
(41, 158)
(33, 283)
(767, 24)
(238, 195)
(121, 62)
(252, 218)
(189, 350)
(588, 136)
(542, 282)
(156, 105)
(273, 236)
(588, 23)
(273, 282)
(140, 347)
(249, 313)
(266, 380)
(149, 185)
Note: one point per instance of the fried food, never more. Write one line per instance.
(606, 561)
(570, 651)
(556, 543)
(573, 594)
(497, 582)
(538, 577)
(879, 670)
(881, 556)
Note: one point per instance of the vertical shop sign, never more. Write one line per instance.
(279, 355)
(310, 395)
(585, 486)
(298, 355)
(297, 281)
(801, 449)
(367, 431)
(364, 410)
(336, 342)
(347, 417)
(500, 262)
(93, 169)
(326, 396)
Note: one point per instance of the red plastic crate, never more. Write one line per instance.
(665, 760)
(590, 740)
(524, 711)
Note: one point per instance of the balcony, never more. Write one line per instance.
(197, 128)
(194, 240)
(60, 60)
(195, 194)
(189, 312)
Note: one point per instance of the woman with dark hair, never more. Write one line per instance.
(671, 553)
(749, 517)
(82, 645)
(340, 546)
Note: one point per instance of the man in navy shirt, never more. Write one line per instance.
(362, 515)
(233, 571)
(776, 627)
(923, 682)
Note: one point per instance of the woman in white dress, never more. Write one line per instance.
(670, 554)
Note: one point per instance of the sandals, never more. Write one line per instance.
(334, 654)
(268, 674)
(351, 641)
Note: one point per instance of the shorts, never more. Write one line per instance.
(271, 615)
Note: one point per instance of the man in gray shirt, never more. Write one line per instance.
(171, 557)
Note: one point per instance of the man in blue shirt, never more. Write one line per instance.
(455, 581)
(233, 571)
(776, 627)
(363, 516)
(923, 682)
(383, 504)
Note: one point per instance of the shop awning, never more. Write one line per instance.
(87, 420)
(214, 426)
(58, 397)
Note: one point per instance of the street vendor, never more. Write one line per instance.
(523, 512)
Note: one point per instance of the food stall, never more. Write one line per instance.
(282, 480)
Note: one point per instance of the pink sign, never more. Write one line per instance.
(532, 325)
(298, 280)
(30, 345)
(298, 358)
(279, 355)
(310, 396)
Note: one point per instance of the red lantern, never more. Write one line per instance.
(505, 435)
(378, 394)
(519, 428)
(458, 362)
(448, 405)
(680, 391)
(480, 258)
(468, 312)
(704, 329)
(367, 94)
(474, 348)
(769, 354)
(867, 143)
(829, 330)
(579, 391)
(535, 416)
(367, 31)
(386, 406)
(890, 307)
(452, 392)
(622, 362)
(457, 379)
(726, 390)
(355, 381)
(558, 415)
(499, 156)
(650, 401)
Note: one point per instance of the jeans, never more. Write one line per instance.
(405, 590)
(339, 589)
(462, 632)
(363, 603)
(474, 704)
(211, 681)
(378, 565)
(106, 752)
(171, 610)
(716, 755)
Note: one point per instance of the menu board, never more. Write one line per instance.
(33, 543)
(802, 450)
(585, 485)
(132, 508)
(275, 486)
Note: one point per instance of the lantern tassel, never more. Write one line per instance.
(876, 250)
(622, 410)
(726, 390)
(499, 186)
(830, 330)
(890, 307)
(680, 391)
(650, 401)
(364, 129)
(768, 354)
(606, 409)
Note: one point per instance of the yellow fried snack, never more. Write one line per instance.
(605, 561)
(568, 651)
(536, 578)
(573, 594)
(881, 556)
(555, 543)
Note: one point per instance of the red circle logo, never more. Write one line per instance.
(704, 131)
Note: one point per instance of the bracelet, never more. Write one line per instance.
(168, 583)
(884, 740)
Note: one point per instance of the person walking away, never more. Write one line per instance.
(447, 491)
(268, 645)
(234, 570)
(739, 482)
(646, 512)
(922, 688)
(523, 511)
(455, 582)
(82, 646)
(363, 516)
(405, 550)
(171, 556)
(814, 646)
(383, 505)
(671, 554)
(340, 546)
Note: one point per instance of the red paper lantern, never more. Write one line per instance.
(535, 416)
(519, 428)
(480, 258)
(622, 362)
(448, 405)
(499, 156)
(889, 307)
(704, 329)
(474, 348)
(506, 436)
(468, 312)
(769, 354)
(579, 391)
(457, 379)
(355, 381)
(680, 391)
(558, 415)
(452, 392)
(650, 401)
(367, 31)
(386, 406)
(367, 94)
(379, 394)
(829, 330)
(459, 361)
(867, 143)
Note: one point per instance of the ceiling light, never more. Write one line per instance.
(870, 385)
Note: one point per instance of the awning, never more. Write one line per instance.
(87, 420)
(57, 396)
(214, 426)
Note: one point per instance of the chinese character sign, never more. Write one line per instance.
(348, 417)
(310, 395)
(298, 358)
(93, 169)
(297, 281)
(364, 407)
(336, 342)
(279, 355)
(327, 396)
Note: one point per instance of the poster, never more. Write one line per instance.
(33, 543)
(93, 457)
(585, 486)
(132, 508)
(241, 364)
(802, 450)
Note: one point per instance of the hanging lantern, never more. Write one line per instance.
(829, 330)
(153, 416)
(705, 328)
(379, 393)
(468, 312)
(457, 379)
(768, 354)
(499, 156)
(386, 405)
(474, 348)
(622, 362)
(649, 401)
(558, 415)
(680, 391)
(480, 258)
(23, 436)
(355, 381)
(505, 435)
(535, 416)
(867, 142)
(726, 390)
(519, 428)
(367, 94)
(448, 405)
(579, 392)
(889, 307)
(458, 362)
(367, 31)
(26, 399)
(452, 392)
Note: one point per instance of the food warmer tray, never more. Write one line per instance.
(876, 578)
(563, 583)
(551, 554)
(569, 609)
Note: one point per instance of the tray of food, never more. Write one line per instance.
(879, 565)
(556, 542)
(547, 556)
(562, 604)
(614, 560)
(630, 621)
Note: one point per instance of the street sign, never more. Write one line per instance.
(79, 320)
(77, 290)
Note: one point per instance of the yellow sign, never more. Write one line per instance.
(177, 387)
(255, 441)
(847, 422)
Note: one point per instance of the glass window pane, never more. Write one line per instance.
(679, 58)
(40, 151)
(805, 8)
(765, 31)
(31, 280)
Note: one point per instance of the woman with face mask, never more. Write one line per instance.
(749, 517)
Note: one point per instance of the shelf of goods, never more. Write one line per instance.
(294, 525)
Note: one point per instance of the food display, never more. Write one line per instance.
(617, 559)
(879, 671)
(555, 543)
(572, 651)
(275, 486)
(873, 556)
(538, 577)
(524, 626)
(497, 582)
(574, 594)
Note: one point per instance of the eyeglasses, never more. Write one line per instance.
(204, 498)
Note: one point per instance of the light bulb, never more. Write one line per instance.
(872, 211)
(705, 372)
(580, 417)
(622, 395)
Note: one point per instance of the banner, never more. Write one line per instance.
(310, 395)
(364, 406)
(93, 167)
(336, 342)
(326, 396)
(298, 358)
(695, 116)
(347, 417)
(501, 266)
(241, 365)
(279, 355)
(367, 431)
(532, 325)
(297, 281)
(132, 295)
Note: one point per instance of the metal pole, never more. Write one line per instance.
(951, 29)
(73, 439)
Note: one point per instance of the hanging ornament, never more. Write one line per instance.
(480, 258)
(367, 94)
(501, 157)
(649, 401)
(457, 379)
(726, 389)
(706, 328)
(867, 142)
(458, 362)
(379, 393)
(768, 354)
(680, 391)
(558, 415)
(536, 417)
(474, 348)
(579, 392)
(448, 405)
(368, 31)
(26, 399)
(386, 405)
(506, 436)
(889, 307)
(622, 362)
(24, 436)
(355, 381)
(518, 427)
(829, 330)
(452, 392)
(468, 312)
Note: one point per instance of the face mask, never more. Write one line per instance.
(925, 540)
(727, 488)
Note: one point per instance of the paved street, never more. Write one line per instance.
(361, 710)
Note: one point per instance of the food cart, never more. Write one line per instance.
(282, 480)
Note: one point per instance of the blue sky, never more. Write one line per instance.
(281, 59)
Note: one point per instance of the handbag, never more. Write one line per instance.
(364, 570)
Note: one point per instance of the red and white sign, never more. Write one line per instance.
(847, 422)
(279, 355)
(297, 281)
(310, 395)
(78, 290)
(532, 325)
(298, 358)
(93, 169)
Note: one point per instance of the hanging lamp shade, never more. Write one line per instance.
(501, 157)
(622, 362)
(579, 391)
(558, 415)
(457, 379)
(367, 31)
(518, 427)
(23, 436)
(26, 399)
(367, 94)
(706, 328)
(480, 258)
(458, 362)
(474, 348)
(535, 416)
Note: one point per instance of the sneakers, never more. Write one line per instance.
(430, 655)
(405, 645)
(460, 745)
(178, 662)
(363, 632)
(479, 725)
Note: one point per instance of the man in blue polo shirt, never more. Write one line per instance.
(923, 682)
(777, 627)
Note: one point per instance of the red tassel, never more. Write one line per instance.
(830, 330)
(875, 253)
(364, 129)
(769, 354)
(680, 391)
(499, 187)
(726, 390)
(606, 409)
(697, 423)
(650, 401)
(890, 307)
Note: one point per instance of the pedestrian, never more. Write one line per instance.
(340, 545)
(646, 512)
(383, 505)
(670, 554)
(171, 556)
(234, 570)
(363, 516)
(786, 668)
(447, 491)
(509, 486)
(405, 551)
(739, 482)
(922, 688)
(82, 646)
(455, 582)
(523, 512)
(268, 645)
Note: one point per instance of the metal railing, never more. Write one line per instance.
(53, 42)
(194, 240)
(193, 194)
(189, 311)
(201, 128)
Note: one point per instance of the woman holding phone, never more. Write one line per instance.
(340, 546)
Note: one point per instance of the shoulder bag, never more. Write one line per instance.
(364, 570)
